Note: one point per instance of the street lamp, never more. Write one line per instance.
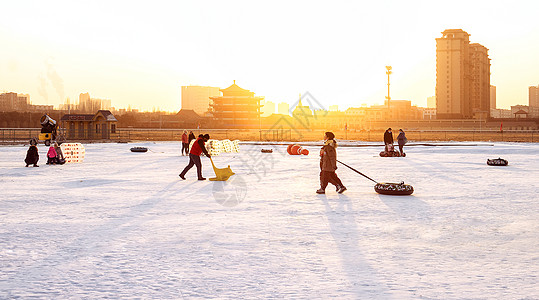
(388, 72)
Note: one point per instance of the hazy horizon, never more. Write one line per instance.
(140, 55)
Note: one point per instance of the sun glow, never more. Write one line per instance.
(140, 54)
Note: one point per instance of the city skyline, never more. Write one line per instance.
(338, 53)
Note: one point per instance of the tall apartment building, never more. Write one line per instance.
(480, 92)
(197, 98)
(462, 76)
(534, 96)
(14, 102)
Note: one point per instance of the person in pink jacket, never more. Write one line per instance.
(51, 156)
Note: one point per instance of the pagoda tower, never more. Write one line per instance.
(236, 108)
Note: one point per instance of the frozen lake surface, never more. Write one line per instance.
(123, 225)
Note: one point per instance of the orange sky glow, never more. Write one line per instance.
(140, 53)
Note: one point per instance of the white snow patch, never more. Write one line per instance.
(124, 224)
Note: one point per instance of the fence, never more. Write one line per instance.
(22, 135)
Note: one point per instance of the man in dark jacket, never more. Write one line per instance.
(194, 156)
(388, 138)
(328, 165)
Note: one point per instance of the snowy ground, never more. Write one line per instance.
(123, 224)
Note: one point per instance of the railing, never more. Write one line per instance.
(23, 135)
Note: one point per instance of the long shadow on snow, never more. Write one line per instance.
(80, 247)
(343, 228)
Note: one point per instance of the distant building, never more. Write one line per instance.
(492, 97)
(236, 108)
(188, 119)
(428, 113)
(15, 102)
(462, 76)
(268, 108)
(431, 102)
(89, 126)
(40, 108)
(197, 98)
(518, 111)
(333, 108)
(501, 113)
(303, 115)
(87, 104)
(8, 101)
(282, 108)
(534, 96)
(400, 110)
(480, 81)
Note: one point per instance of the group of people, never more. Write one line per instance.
(401, 140)
(186, 141)
(328, 157)
(328, 161)
(54, 155)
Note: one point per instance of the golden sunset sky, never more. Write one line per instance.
(140, 53)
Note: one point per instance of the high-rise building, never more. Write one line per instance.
(480, 85)
(462, 76)
(197, 98)
(492, 97)
(534, 96)
(431, 102)
(8, 101)
(14, 102)
(282, 108)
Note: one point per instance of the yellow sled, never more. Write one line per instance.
(221, 174)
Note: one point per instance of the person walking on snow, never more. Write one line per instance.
(185, 143)
(328, 165)
(388, 138)
(401, 139)
(194, 156)
(32, 155)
